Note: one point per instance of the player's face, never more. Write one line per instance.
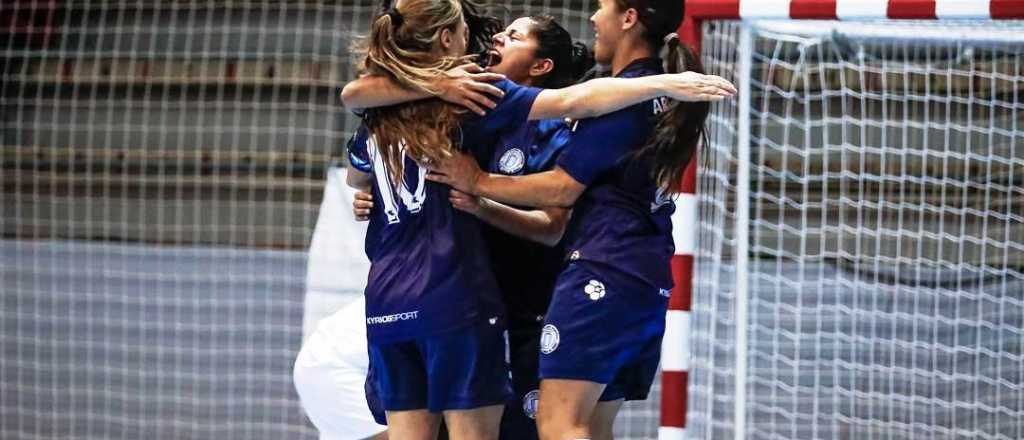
(607, 21)
(514, 50)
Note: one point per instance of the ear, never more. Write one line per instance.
(542, 67)
(630, 18)
(446, 38)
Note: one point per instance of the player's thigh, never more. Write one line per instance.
(566, 408)
(417, 424)
(474, 424)
(602, 423)
(466, 368)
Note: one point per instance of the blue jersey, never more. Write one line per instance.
(622, 221)
(526, 270)
(429, 266)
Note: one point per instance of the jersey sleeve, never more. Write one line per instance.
(511, 111)
(552, 137)
(598, 144)
(358, 156)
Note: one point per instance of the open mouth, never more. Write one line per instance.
(493, 57)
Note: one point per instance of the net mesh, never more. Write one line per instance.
(162, 167)
(885, 281)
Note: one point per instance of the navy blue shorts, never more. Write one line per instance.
(518, 422)
(605, 329)
(373, 398)
(461, 369)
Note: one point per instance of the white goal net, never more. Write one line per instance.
(861, 242)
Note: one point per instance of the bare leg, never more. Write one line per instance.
(381, 436)
(417, 424)
(474, 424)
(603, 420)
(566, 408)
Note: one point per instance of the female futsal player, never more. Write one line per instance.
(331, 368)
(433, 317)
(532, 51)
(618, 172)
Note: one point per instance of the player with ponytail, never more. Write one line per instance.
(601, 340)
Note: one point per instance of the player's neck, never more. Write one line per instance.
(627, 53)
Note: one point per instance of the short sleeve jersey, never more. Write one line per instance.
(622, 221)
(429, 267)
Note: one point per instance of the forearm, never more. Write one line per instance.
(377, 91)
(542, 226)
(533, 190)
(595, 97)
(357, 179)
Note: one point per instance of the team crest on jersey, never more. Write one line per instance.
(549, 339)
(530, 403)
(512, 161)
(594, 289)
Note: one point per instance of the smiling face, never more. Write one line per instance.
(608, 22)
(514, 51)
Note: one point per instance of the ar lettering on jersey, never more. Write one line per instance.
(413, 200)
(660, 105)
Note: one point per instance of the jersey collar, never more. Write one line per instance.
(641, 67)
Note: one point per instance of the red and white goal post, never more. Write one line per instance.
(855, 224)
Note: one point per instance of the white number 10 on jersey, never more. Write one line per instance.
(413, 201)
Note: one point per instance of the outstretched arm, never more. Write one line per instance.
(605, 95)
(545, 226)
(465, 85)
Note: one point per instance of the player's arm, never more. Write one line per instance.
(605, 95)
(545, 226)
(466, 85)
(362, 204)
(357, 179)
(555, 188)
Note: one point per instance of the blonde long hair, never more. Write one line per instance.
(403, 45)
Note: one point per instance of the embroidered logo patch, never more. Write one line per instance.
(549, 339)
(512, 161)
(530, 403)
(594, 289)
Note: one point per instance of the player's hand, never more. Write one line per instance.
(468, 86)
(695, 87)
(460, 171)
(465, 202)
(361, 205)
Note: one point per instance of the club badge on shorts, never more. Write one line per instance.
(530, 403)
(549, 339)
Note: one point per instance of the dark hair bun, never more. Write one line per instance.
(582, 59)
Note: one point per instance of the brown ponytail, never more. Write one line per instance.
(403, 45)
(680, 129)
